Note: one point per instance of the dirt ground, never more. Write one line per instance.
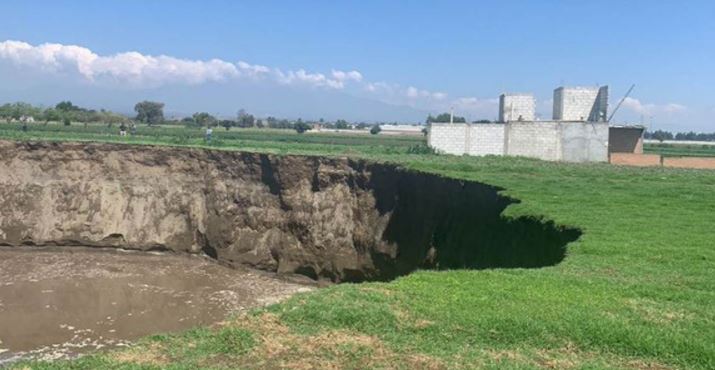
(59, 302)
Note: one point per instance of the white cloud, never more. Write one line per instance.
(412, 92)
(347, 76)
(312, 79)
(637, 106)
(415, 93)
(253, 70)
(139, 70)
(131, 67)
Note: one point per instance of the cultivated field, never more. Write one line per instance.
(685, 150)
(636, 291)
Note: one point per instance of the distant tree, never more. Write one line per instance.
(246, 120)
(66, 121)
(51, 114)
(444, 118)
(375, 129)
(67, 106)
(260, 124)
(203, 119)
(301, 126)
(482, 121)
(227, 123)
(661, 135)
(341, 124)
(149, 112)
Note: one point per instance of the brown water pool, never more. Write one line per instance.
(60, 302)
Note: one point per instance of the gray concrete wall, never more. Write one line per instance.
(547, 140)
(517, 107)
(486, 139)
(448, 138)
(534, 139)
(584, 142)
(579, 103)
(465, 138)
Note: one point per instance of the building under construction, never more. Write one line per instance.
(578, 132)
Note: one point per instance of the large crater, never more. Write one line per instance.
(337, 219)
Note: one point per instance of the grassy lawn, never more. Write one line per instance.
(673, 150)
(637, 291)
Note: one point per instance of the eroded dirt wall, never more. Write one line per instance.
(337, 219)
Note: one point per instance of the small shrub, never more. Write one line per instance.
(420, 149)
(66, 121)
(375, 129)
(301, 127)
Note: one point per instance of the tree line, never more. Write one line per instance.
(152, 113)
(63, 111)
(661, 135)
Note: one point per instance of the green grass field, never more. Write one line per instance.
(636, 291)
(671, 150)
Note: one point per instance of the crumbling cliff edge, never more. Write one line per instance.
(327, 218)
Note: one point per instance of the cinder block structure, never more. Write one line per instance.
(578, 133)
(580, 104)
(547, 140)
(517, 107)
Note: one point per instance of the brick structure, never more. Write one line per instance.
(633, 159)
(690, 162)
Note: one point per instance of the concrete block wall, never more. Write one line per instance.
(486, 139)
(584, 141)
(516, 107)
(547, 140)
(448, 138)
(471, 139)
(576, 103)
(599, 112)
(534, 139)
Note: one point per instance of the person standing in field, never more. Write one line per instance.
(209, 132)
(122, 129)
(132, 128)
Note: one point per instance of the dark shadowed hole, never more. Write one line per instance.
(442, 223)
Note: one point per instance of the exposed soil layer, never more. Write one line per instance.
(57, 302)
(327, 218)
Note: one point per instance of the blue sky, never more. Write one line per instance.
(367, 60)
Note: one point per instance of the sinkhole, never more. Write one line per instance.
(336, 219)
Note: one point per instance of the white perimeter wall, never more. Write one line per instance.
(471, 139)
(547, 140)
(534, 139)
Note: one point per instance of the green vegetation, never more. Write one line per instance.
(445, 118)
(636, 291)
(691, 135)
(674, 150)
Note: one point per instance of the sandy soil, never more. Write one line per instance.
(60, 302)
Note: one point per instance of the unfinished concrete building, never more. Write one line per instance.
(579, 132)
(516, 107)
(581, 104)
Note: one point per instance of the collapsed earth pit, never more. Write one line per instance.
(337, 219)
(325, 218)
